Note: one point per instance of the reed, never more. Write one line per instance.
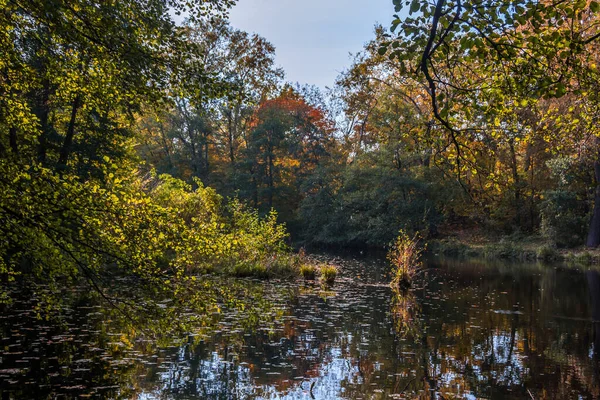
(405, 256)
(308, 272)
(328, 274)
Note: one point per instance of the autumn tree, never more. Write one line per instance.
(288, 140)
(490, 68)
(383, 176)
(203, 132)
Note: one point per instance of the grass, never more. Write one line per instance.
(247, 270)
(514, 247)
(275, 266)
(286, 265)
(585, 257)
(451, 247)
(328, 274)
(547, 253)
(405, 256)
(509, 250)
(308, 272)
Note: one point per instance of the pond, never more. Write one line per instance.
(474, 329)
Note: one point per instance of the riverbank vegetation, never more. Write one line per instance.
(161, 151)
(77, 201)
(513, 247)
(405, 257)
(328, 274)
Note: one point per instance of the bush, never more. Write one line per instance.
(547, 253)
(372, 202)
(405, 256)
(227, 237)
(246, 270)
(308, 272)
(328, 274)
(450, 247)
(563, 218)
(509, 250)
(585, 258)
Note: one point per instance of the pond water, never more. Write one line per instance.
(473, 329)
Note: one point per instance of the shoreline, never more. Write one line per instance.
(518, 249)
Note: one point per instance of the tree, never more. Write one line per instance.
(74, 76)
(202, 133)
(288, 139)
(491, 66)
(81, 64)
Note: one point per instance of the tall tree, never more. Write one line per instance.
(288, 139)
(74, 75)
(203, 124)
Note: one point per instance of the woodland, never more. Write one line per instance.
(133, 145)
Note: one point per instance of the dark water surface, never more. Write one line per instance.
(476, 330)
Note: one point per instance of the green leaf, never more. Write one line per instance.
(561, 90)
(414, 6)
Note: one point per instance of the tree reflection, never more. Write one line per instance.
(480, 329)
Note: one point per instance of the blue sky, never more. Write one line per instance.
(313, 37)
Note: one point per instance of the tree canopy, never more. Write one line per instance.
(131, 144)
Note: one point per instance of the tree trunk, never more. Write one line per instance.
(231, 138)
(165, 145)
(254, 188)
(517, 183)
(195, 162)
(593, 239)
(270, 180)
(12, 137)
(206, 159)
(44, 113)
(65, 151)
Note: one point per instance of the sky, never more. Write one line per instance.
(313, 38)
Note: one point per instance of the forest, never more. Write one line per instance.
(132, 144)
(157, 168)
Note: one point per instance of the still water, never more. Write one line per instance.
(472, 329)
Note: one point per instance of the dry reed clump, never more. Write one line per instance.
(328, 274)
(308, 272)
(405, 256)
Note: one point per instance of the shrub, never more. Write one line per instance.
(308, 272)
(328, 274)
(450, 247)
(584, 258)
(226, 237)
(508, 250)
(246, 269)
(405, 256)
(547, 253)
(282, 265)
(366, 206)
(563, 218)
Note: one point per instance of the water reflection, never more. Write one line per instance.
(477, 330)
(406, 313)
